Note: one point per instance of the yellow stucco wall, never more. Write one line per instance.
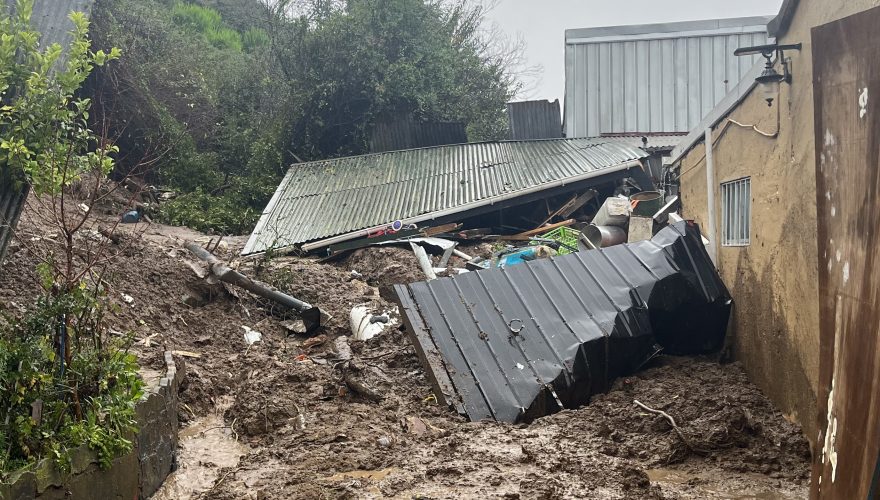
(775, 329)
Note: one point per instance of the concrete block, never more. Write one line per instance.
(640, 228)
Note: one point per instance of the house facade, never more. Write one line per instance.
(759, 183)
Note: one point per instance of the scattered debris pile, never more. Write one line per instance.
(279, 419)
(518, 343)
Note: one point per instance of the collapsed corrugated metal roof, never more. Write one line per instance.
(530, 120)
(50, 19)
(350, 196)
(517, 343)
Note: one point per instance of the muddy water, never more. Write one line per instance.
(206, 446)
(726, 486)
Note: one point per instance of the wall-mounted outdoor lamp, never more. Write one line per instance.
(770, 78)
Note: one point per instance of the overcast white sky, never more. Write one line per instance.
(542, 24)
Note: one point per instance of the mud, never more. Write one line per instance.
(322, 417)
(207, 447)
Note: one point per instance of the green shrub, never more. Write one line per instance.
(224, 38)
(255, 39)
(195, 17)
(210, 213)
(207, 22)
(51, 402)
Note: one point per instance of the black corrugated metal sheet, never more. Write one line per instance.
(530, 120)
(50, 19)
(407, 133)
(517, 343)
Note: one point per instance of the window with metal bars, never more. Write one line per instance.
(736, 212)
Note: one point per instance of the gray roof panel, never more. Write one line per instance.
(517, 343)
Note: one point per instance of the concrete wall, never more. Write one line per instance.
(137, 474)
(774, 280)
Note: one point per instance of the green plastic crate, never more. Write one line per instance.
(566, 236)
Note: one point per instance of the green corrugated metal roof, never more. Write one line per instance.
(321, 199)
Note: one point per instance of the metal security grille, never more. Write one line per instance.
(736, 212)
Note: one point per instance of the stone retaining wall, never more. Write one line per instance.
(137, 474)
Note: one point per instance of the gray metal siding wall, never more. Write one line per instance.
(407, 133)
(50, 19)
(12, 198)
(666, 84)
(531, 120)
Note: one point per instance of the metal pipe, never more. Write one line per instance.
(424, 261)
(711, 212)
(461, 254)
(604, 236)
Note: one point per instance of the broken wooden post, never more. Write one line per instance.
(314, 317)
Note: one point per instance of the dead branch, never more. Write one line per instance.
(310, 314)
(675, 427)
(358, 386)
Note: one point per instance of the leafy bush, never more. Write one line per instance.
(41, 121)
(209, 213)
(199, 19)
(255, 39)
(62, 385)
(209, 23)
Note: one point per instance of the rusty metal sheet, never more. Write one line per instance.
(516, 343)
(846, 61)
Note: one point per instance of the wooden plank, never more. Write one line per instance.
(579, 202)
(540, 230)
(559, 210)
(445, 228)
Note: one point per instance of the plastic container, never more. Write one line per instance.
(566, 237)
(646, 203)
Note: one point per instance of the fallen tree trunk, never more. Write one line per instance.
(312, 316)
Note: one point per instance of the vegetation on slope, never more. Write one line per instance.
(226, 94)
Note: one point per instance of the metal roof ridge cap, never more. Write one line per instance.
(733, 30)
(719, 112)
(670, 27)
(396, 151)
(477, 204)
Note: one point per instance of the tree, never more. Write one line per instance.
(62, 383)
(383, 58)
(235, 91)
